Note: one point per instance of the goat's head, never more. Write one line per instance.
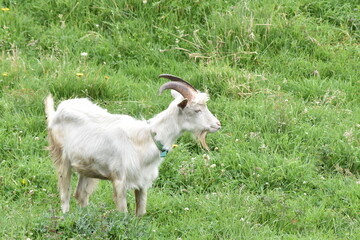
(193, 112)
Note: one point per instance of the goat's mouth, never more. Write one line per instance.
(213, 129)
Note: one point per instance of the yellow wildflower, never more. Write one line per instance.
(23, 181)
(175, 145)
(107, 77)
(79, 74)
(5, 74)
(5, 9)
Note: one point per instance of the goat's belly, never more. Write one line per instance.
(90, 170)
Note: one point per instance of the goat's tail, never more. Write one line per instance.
(49, 108)
(55, 147)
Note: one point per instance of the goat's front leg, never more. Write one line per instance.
(140, 198)
(120, 195)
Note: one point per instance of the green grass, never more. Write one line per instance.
(283, 77)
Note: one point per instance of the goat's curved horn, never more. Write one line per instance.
(176, 79)
(180, 85)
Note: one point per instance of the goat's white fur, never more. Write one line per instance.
(99, 145)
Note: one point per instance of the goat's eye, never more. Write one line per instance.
(198, 110)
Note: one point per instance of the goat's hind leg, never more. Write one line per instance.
(84, 189)
(64, 180)
(140, 198)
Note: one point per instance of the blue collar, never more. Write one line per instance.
(159, 145)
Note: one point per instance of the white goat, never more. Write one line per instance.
(99, 145)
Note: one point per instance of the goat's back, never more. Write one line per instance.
(80, 110)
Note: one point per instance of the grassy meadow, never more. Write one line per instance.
(284, 81)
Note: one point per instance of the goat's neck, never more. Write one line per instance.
(166, 127)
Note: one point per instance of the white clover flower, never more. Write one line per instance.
(263, 146)
(252, 36)
(349, 135)
(206, 157)
(84, 54)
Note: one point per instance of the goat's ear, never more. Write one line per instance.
(175, 94)
(183, 103)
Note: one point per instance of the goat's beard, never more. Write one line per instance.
(202, 139)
